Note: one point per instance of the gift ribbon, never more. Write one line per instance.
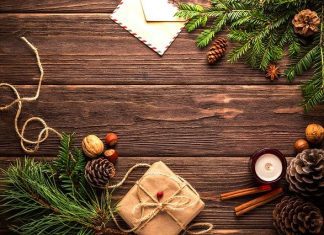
(165, 206)
(44, 133)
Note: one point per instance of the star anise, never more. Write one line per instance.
(272, 72)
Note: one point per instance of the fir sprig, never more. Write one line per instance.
(263, 30)
(36, 200)
(54, 198)
(313, 90)
(69, 165)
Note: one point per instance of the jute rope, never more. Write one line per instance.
(160, 206)
(44, 132)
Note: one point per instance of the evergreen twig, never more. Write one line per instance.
(263, 30)
(69, 165)
(41, 204)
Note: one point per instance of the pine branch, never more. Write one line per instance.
(313, 90)
(34, 198)
(263, 30)
(69, 165)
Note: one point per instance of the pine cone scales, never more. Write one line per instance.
(99, 171)
(295, 216)
(217, 50)
(305, 173)
(306, 23)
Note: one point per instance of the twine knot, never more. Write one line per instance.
(161, 206)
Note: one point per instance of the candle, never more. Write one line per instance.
(268, 166)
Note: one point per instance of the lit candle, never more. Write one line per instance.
(268, 166)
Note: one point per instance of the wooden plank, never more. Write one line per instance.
(91, 49)
(66, 6)
(210, 176)
(58, 6)
(170, 120)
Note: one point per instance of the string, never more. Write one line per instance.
(160, 206)
(44, 132)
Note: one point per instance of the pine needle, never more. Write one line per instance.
(263, 30)
(43, 203)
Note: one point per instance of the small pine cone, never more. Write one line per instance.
(305, 173)
(99, 171)
(294, 216)
(217, 50)
(306, 23)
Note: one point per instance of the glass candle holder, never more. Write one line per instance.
(268, 166)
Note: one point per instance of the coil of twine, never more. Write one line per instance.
(44, 132)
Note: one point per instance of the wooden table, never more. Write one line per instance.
(203, 121)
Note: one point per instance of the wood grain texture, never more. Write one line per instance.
(203, 121)
(91, 49)
(207, 176)
(58, 6)
(191, 120)
(67, 6)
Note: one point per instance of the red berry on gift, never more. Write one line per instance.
(112, 155)
(159, 195)
(111, 139)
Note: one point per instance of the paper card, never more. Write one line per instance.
(160, 10)
(156, 35)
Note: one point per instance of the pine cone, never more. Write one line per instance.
(306, 23)
(295, 216)
(99, 171)
(305, 173)
(217, 50)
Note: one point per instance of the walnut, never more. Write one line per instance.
(92, 146)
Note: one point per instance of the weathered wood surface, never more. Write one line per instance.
(92, 49)
(204, 121)
(66, 6)
(169, 120)
(210, 176)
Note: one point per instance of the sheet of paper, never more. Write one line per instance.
(160, 10)
(156, 35)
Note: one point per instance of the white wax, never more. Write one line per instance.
(268, 167)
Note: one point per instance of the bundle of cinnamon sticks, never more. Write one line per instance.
(259, 201)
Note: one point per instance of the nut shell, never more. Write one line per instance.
(92, 146)
(314, 133)
(111, 139)
(300, 145)
(111, 155)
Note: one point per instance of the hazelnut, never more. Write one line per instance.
(300, 145)
(111, 139)
(92, 146)
(112, 155)
(314, 133)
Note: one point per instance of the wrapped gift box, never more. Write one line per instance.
(160, 203)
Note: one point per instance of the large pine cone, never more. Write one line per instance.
(217, 50)
(295, 216)
(306, 23)
(99, 171)
(305, 173)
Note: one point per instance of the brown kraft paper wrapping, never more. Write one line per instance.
(171, 214)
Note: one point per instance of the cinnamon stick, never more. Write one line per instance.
(250, 205)
(244, 192)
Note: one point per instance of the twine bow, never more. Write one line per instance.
(174, 202)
